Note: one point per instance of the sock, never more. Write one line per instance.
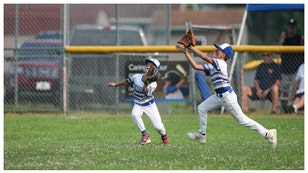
(295, 108)
(144, 132)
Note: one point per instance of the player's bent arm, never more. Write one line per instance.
(144, 88)
(180, 83)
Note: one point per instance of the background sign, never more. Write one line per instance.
(134, 67)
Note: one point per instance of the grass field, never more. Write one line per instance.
(102, 142)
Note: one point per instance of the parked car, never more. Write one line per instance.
(39, 62)
(98, 35)
(37, 67)
(58, 35)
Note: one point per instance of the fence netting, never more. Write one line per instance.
(34, 59)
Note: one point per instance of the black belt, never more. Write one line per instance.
(221, 94)
(147, 103)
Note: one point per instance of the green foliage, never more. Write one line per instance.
(265, 27)
(110, 142)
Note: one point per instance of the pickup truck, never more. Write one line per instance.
(90, 73)
(37, 67)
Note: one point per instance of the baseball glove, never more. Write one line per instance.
(188, 39)
(152, 75)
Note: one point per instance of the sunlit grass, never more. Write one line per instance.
(110, 142)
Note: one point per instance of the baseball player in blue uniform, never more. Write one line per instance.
(224, 96)
(144, 102)
(173, 85)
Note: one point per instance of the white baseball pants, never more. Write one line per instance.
(152, 112)
(229, 101)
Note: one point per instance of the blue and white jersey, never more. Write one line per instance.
(219, 74)
(136, 83)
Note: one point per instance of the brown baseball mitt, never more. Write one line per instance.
(188, 39)
(152, 75)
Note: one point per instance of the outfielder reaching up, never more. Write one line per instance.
(225, 96)
(144, 85)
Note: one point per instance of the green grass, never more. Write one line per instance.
(102, 142)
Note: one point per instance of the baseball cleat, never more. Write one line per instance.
(145, 140)
(197, 136)
(271, 136)
(165, 139)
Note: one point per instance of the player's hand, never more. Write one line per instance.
(111, 84)
(181, 48)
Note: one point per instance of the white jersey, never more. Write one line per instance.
(219, 75)
(136, 82)
(300, 76)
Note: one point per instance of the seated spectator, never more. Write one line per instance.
(266, 83)
(297, 94)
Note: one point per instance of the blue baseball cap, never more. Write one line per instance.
(226, 48)
(154, 61)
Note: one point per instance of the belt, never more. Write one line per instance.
(222, 94)
(146, 103)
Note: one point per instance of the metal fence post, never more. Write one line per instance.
(16, 57)
(64, 72)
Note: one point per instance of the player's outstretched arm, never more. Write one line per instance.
(201, 54)
(115, 84)
(189, 58)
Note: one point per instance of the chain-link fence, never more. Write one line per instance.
(34, 58)
(269, 75)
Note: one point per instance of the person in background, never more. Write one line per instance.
(266, 83)
(291, 61)
(297, 94)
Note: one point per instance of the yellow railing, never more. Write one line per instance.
(172, 49)
(254, 64)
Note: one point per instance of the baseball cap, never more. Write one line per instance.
(154, 61)
(172, 75)
(226, 48)
(292, 22)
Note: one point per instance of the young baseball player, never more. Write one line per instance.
(144, 102)
(224, 96)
